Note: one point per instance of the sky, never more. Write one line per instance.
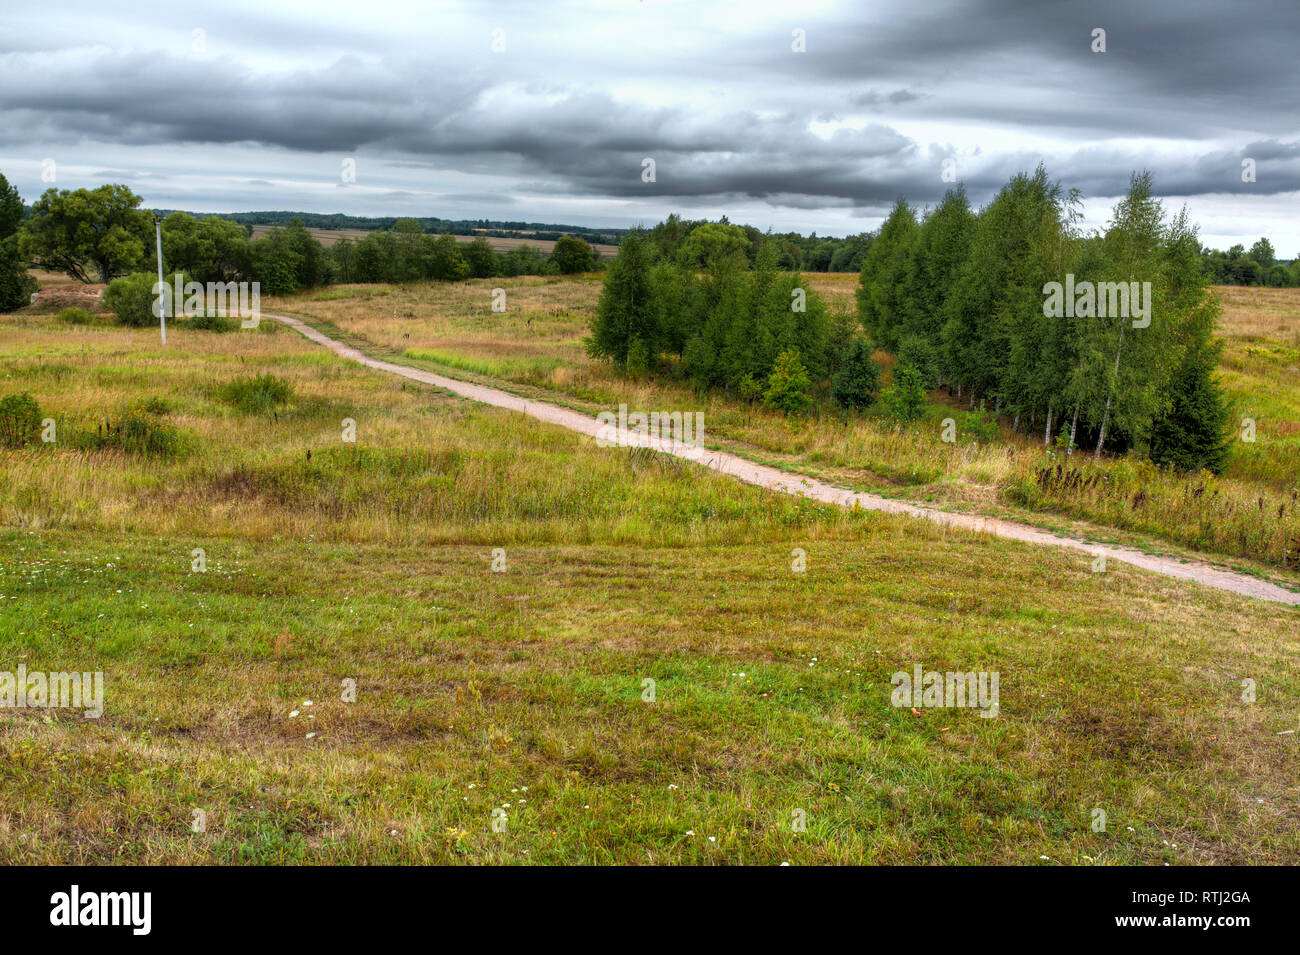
(809, 116)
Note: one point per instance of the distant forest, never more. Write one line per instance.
(796, 252)
(549, 231)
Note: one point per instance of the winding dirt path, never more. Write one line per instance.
(777, 480)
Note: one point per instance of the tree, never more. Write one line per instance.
(904, 399)
(481, 258)
(572, 255)
(16, 285)
(714, 247)
(131, 298)
(626, 311)
(212, 249)
(1194, 433)
(1133, 250)
(857, 384)
(1262, 253)
(441, 258)
(941, 246)
(882, 282)
(288, 258)
(87, 231)
(788, 384)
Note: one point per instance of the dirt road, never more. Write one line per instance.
(778, 480)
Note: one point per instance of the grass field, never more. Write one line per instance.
(524, 690)
(1250, 516)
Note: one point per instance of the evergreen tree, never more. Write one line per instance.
(1194, 433)
(882, 282)
(626, 311)
(857, 383)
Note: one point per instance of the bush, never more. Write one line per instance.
(131, 299)
(142, 432)
(254, 394)
(211, 323)
(787, 386)
(76, 316)
(857, 384)
(749, 388)
(904, 400)
(20, 420)
(638, 360)
(982, 426)
(156, 405)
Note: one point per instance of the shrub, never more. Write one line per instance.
(76, 316)
(156, 405)
(211, 322)
(857, 383)
(131, 299)
(787, 385)
(638, 360)
(904, 400)
(257, 393)
(142, 432)
(20, 420)
(749, 388)
(982, 426)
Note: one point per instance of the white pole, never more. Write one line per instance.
(162, 298)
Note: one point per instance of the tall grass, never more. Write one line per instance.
(538, 343)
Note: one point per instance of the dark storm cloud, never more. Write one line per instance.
(567, 112)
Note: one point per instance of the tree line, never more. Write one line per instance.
(103, 234)
(795, 252)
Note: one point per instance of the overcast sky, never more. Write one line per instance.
(257, 105)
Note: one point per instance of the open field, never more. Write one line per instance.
(523, 690)
(328, 237)
(1250, 516)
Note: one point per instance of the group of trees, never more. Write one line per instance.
(794, 252)
(1259, 266)
(695, 308)
(962, 298)
(102, 234)
(488, 228)
(406, 253)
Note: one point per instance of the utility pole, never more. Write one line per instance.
(162, 298)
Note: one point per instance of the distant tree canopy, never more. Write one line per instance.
(101, 234)
(1259, 266)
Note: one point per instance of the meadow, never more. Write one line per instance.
(1249, 517)
(519, 695)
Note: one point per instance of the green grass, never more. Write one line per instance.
(372, 562)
